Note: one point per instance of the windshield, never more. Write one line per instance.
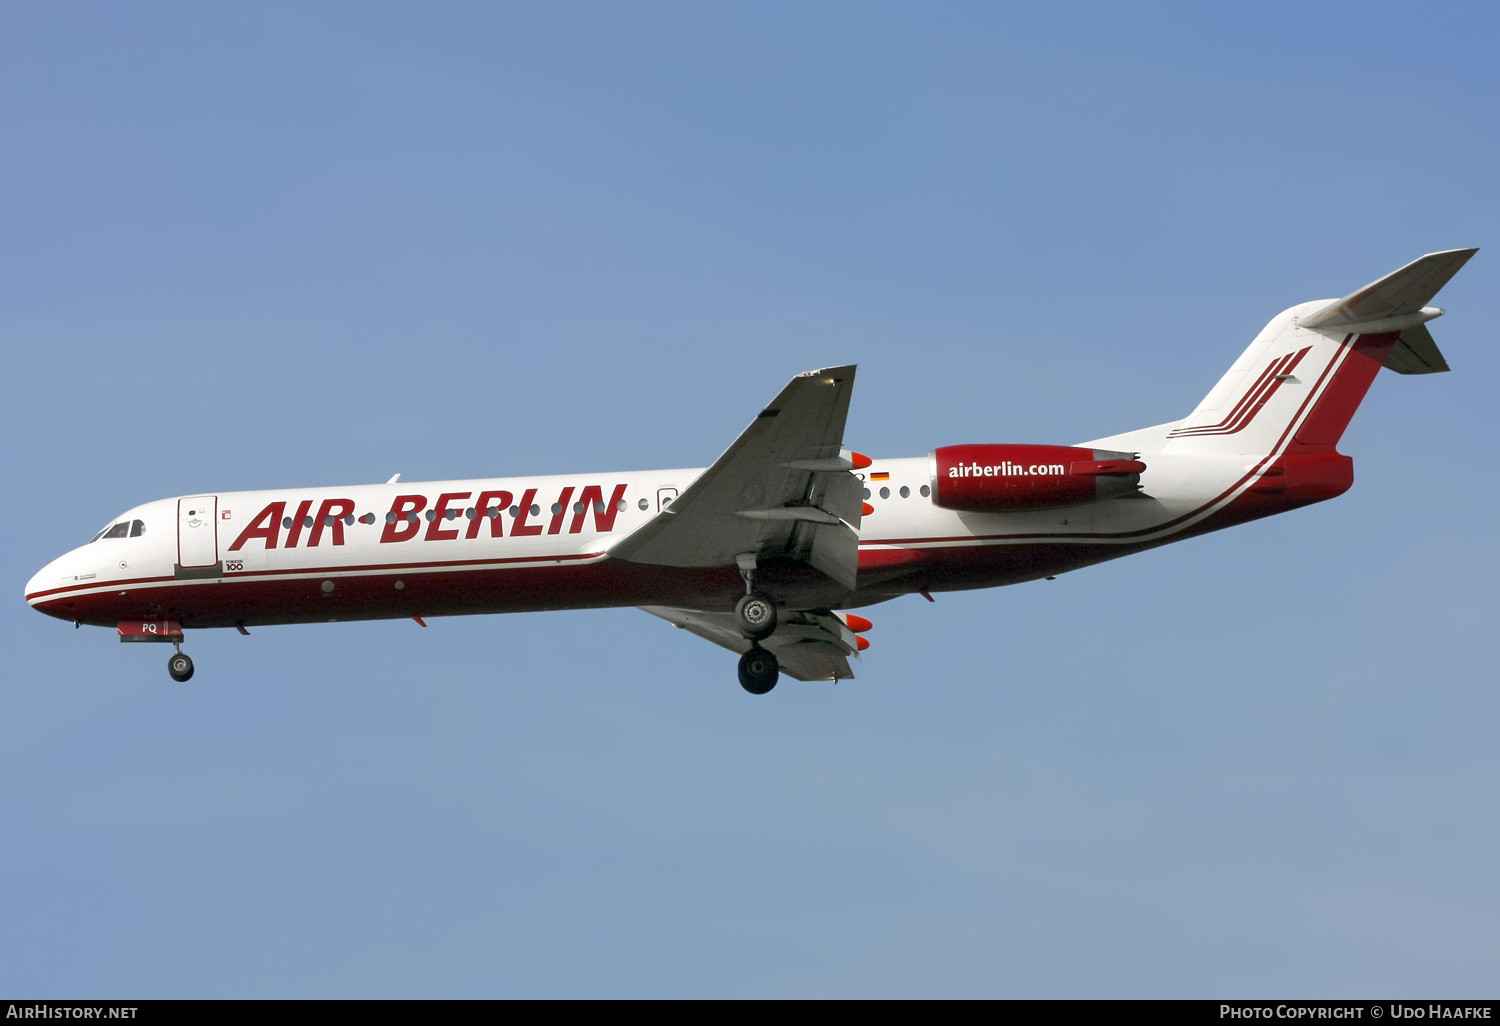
(123, 529)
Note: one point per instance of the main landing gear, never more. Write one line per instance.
(755, 615)
(180, 666)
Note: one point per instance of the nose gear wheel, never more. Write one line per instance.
(180, 667)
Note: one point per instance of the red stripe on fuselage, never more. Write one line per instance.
(320, 571)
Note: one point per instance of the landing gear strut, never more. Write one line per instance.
(755, 614)
(758, 671)
(180, 666)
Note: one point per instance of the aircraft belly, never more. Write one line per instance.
(265, 599)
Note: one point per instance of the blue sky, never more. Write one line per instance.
(303, 244)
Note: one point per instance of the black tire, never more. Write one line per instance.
(756, 616)
(758, 671)
(180, 667)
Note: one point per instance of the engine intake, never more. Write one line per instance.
(1008, 478)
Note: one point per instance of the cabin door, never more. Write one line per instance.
(197, 531)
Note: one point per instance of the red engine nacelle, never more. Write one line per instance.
(1005, 478)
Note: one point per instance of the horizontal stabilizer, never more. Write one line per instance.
(1396, 302)
(1416, 353)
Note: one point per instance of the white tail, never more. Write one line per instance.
(1307, 371)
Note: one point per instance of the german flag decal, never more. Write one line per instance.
(880, 476)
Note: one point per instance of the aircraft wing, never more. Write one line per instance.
(782, 489)
(807, 645)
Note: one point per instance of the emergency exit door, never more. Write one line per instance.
(198, 531)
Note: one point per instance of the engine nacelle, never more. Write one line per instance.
(1007, 478)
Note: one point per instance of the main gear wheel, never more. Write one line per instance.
(758, 671)
(755, 614)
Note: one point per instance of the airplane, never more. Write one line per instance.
(766, 551)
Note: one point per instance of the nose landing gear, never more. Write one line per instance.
(180, 666)
(161, 631)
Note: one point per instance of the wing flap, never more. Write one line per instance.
(808, 646)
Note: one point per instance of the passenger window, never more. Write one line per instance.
(867, 493)
(905, 492)
(885, 493)
(137, 528)
(120, 530)
(926, 491)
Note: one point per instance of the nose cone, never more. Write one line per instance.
(42, 580)
(44, 585)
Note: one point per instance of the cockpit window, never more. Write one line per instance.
(124, 529)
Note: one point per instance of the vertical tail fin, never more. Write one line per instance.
(1299, 383)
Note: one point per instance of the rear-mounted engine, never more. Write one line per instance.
(1007, 478)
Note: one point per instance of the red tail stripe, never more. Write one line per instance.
(1252, 402)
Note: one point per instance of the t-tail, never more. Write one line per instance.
(1298, 384)
(1290, 395)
